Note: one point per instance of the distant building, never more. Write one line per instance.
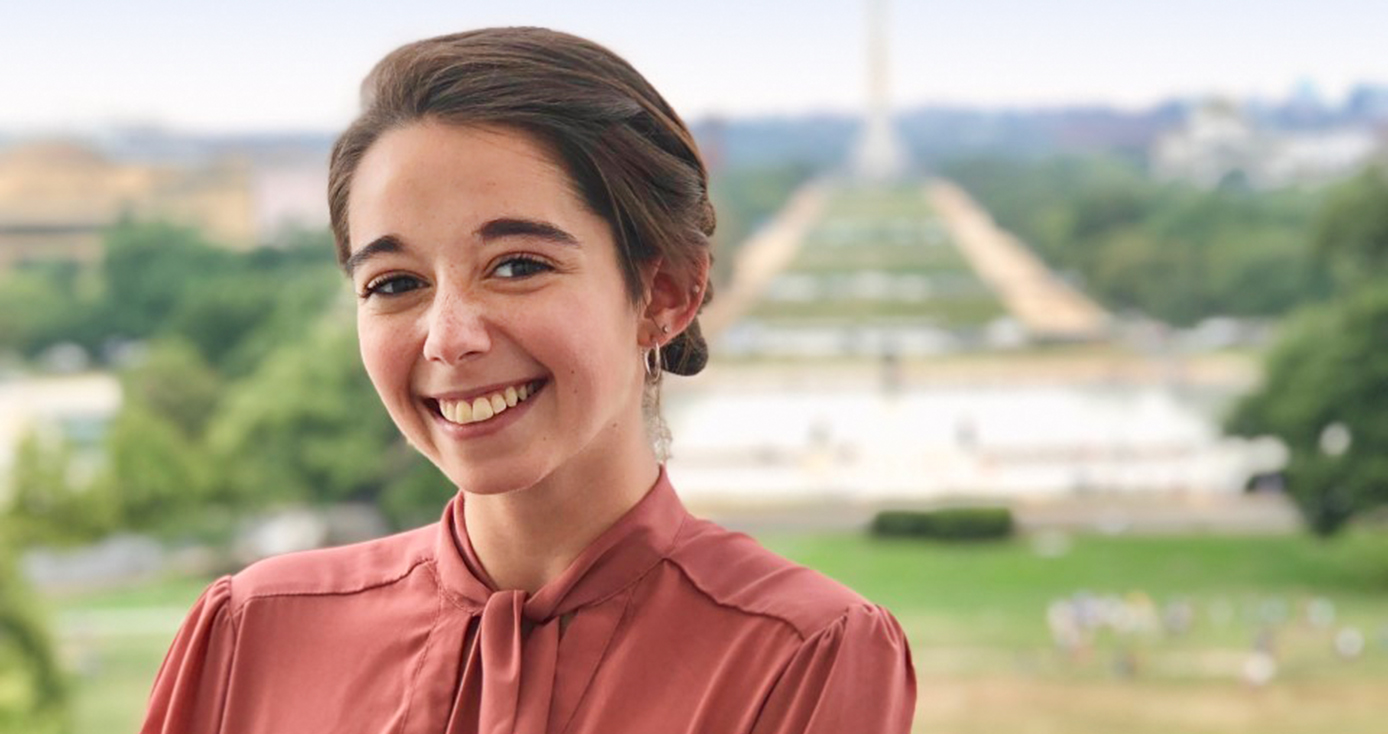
(1218, 145)
(290, 193)
(57, 197)
(1369, 103)
(73, 411)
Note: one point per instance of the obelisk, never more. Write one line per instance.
(879, 155)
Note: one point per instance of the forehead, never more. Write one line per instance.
(428, 175)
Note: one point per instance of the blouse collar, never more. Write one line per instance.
(613, 561)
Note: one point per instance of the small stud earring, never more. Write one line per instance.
(664, 329)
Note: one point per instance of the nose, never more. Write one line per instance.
(457, 328)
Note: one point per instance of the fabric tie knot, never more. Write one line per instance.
(513, 660)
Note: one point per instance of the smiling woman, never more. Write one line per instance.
(495, 260)
(525, 223)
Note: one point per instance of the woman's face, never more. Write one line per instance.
(492, 314)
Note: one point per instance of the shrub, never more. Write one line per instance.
(950, 524)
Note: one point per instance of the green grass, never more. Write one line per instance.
(993, 597)
(175, 591)
(113, 683)
(113, 642)
(924, 573)
(956, 312)
(896, 260)
(885, 230)
(879, 202)
(975, 615)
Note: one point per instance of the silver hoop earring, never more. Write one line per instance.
(650, 359)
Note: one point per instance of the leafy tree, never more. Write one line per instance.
(174, 382)
(414, 491)
(307, 426)
(1352, 227)
(41, 304)
(1267, 266)
(160, 280)
(290, 297)
(154, 470)
(45, 506)
(1324, 394)
(1131, 271)
(1324, 397)
(222, 312)
(148, 269)
(156, 476)
(33, 696)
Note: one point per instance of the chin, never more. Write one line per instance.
(487, 480)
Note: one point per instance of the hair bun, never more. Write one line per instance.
(687, 353)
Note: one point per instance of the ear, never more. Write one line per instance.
(672, 299)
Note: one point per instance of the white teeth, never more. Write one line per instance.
(481, 409)
(487, 406)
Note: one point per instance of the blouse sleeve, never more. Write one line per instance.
(853, 676)
(190, 691)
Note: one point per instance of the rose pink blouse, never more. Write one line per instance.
(666, 624)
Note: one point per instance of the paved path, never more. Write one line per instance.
(1047, 306)
(1044, 304)
(768, 252)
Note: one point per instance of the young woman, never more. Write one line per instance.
(525, 222)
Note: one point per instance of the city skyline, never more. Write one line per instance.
(260, 66)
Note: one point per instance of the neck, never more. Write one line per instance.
(526, 538)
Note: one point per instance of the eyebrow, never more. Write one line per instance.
(380, 245)
(493, 230)
(513, 227)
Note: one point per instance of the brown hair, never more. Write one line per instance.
(629, 155)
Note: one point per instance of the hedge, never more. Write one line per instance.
(951, 523)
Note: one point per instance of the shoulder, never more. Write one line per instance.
(734, 570)
(345, 569)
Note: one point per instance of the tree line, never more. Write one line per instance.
(241, 390)
(1166, 250)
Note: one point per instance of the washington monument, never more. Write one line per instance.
(879, 154)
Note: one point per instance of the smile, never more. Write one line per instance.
(486, 407)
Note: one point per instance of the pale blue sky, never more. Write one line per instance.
(259, 65)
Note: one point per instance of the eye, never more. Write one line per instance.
(391, 285)
(520, 266)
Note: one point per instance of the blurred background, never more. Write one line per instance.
(1060, 329)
